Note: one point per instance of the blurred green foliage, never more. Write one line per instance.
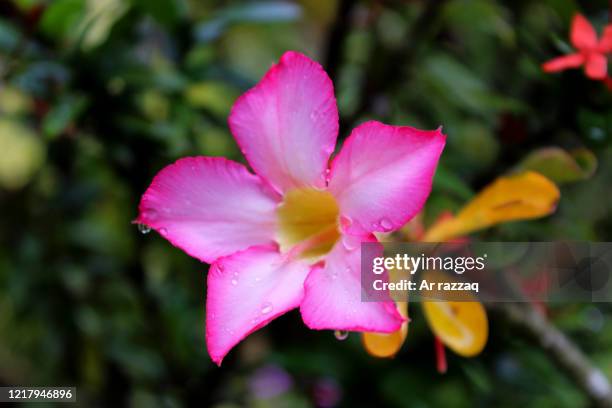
(98, 95)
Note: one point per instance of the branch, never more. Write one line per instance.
(560, 349)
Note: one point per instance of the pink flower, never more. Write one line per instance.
(289, 236)
(591, 51)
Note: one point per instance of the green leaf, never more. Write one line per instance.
(447, 181)
(256, 12)
(98, 21)
(457, 83)
(61, 16)
(62, 115)
(214, 96)
(559, 165)
(86, 21)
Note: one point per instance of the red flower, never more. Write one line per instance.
(591, 52)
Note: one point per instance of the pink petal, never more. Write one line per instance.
(209, 207)
(246, 291)
(332, 298)
(582, 34)
(596, 66)
(287, 125)
(563, 63)
(382, 176)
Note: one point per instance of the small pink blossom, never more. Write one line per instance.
(591, 51)
(289, 235)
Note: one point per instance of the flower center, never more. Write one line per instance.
(307, 223)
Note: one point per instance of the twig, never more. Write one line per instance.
(560, 349)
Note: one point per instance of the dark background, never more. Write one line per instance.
(97, 96)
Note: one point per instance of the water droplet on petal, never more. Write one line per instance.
(163, 232)
(144, 229)
(350, 243)
(345, 222)
(234, 282)
(266, 308)
(257, 279)
(386, 224)
(341, 334)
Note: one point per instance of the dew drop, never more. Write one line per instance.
(341, 334)
(386, 224)
(163, 232)
(144, 229)
(234, 282)
(266, 308)
(345, 222)
(350, 243)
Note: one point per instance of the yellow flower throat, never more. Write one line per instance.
(308, 223)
